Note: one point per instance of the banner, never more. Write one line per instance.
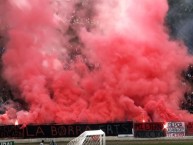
(54, 131)
(189, 129)
(149, 130)
(7, 143)
(175, 129)
(11, 131)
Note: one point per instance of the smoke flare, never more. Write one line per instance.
(85, 61)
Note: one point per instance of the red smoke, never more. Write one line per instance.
(138, 69)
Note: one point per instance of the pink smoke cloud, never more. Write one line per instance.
(136, 71)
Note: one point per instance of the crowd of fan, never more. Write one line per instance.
(187, 103)
(5, 90)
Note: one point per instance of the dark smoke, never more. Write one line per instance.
(179, 21)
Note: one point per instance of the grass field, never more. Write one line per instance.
(128, 142)
(150, 142)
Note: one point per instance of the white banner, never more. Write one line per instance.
(7, 143)
(175, 129)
